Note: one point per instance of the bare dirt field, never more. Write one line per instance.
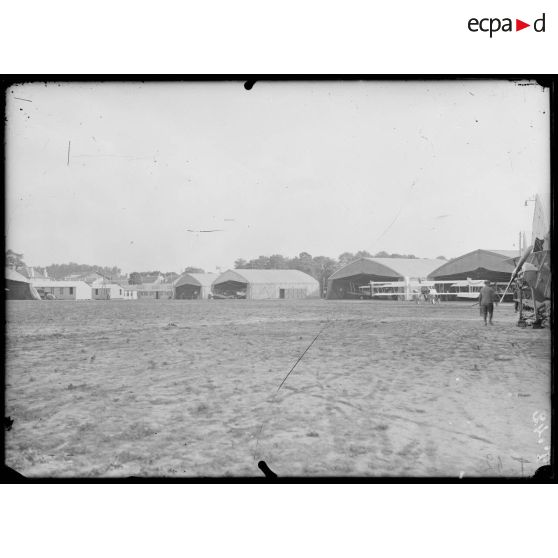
(189, 388)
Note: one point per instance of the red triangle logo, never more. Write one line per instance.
(519, 25)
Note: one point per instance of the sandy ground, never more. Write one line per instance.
(189, 388)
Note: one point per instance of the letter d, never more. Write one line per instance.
(535, 25)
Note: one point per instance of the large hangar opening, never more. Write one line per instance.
(230, 289)
(355, 286)
(352, 280)
(194, 286)
(260, 284)
(496, 266)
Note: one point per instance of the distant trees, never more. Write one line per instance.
(135, 278)
(14, 260)
(323, 267)
(441, 258)
(348, 257)
(382, 254)
(303, 262)
(319, 267)
(261, 262)
(276, 261)
(59, 271)
(394, 255)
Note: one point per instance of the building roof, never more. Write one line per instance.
(507, 253)
(13, 275)
(388, 267)
(40, 282)
(492, 260)
(265, 276)
(84, 276)
(198, 279)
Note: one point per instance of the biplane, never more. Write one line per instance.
(431, 291)
(229, 295)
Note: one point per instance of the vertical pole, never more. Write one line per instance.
(534, 303)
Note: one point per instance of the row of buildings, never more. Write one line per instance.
(348, 282)
(34, 283)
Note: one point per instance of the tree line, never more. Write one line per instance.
(138, 277)
(319, 267)
(59, 271)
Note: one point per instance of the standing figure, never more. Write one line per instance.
(433, 295)
(487, 298)
(516, 296)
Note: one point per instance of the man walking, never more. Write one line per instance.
(487, 298)
(516, 296)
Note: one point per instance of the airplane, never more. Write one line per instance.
(415, 287)
(533, 267)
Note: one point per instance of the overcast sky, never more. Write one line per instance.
(424, 168)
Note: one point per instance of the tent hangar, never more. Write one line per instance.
(266, 284)
(494, 265)
(19, 287)
(346, 282)
(194, 286)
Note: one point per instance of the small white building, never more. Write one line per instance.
(130, 292)
(107, 291)
(155, 291)
(63, 290)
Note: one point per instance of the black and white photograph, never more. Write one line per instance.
(282, 278)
